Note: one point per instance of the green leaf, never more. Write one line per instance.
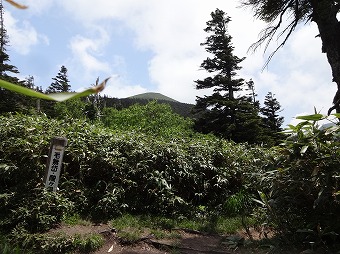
(336, 193)
(292, 127)
(263, 197)
(315, 117)
(305, 231)
(259, 201)
(337, 115)
(303, 149)
(332, 129)
(53, 96)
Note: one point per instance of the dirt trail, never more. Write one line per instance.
(188, 242)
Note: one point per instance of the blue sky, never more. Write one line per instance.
(154, 46)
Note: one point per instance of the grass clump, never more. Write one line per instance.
(75, 219)
(43, 243)
(134, 226)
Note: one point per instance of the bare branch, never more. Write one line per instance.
(267, 34)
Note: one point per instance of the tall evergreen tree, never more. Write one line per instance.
(61, 82)
(5, 67)
(224, 113)
(272, 120)
(10, 101)
(251, 87)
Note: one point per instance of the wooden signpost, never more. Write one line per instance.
(54, 162)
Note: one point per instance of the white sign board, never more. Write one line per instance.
(54, 163)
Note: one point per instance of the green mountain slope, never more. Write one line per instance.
(183, 109)
(152, 96)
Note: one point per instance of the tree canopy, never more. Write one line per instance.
(61, 82)
(226, 113)
(10, 102)
(322, 12)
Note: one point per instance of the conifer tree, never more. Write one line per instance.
(271, 120)
(225, 113)
(5, 67)
(61, 82)
(10, 101)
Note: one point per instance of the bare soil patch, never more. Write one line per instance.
(187, 242)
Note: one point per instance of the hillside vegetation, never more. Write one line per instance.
(183, 109)
(110, 171)
(157, 167)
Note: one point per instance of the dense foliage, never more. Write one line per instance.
(153, 119)
(300, 192)
(107, 172)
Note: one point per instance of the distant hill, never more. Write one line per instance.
(152, 96)
(183, 109)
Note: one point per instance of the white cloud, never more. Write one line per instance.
(84, 51)
(87, 57)
(89, 60)
(119, 88)
(89, 12)
(22, 36)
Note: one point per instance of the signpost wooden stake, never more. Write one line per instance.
(54, 162)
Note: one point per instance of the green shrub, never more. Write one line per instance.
(153, 118)
(74, 108)
(301, 191)
(56, 242)
(109, 172)
(35, 211)
(7, 248)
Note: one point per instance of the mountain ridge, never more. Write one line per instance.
(152, 96)
(181, 108)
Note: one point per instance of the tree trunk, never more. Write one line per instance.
(324, 15)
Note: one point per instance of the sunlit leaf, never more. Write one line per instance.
(315, 117)
(336, 193)
(20, 6)
(302, 125)
(263, 197)
(337, 115)
(332, 130)
(52, 96)
(303, 149)
(292, 127)
(111, 248)
(259, 201)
